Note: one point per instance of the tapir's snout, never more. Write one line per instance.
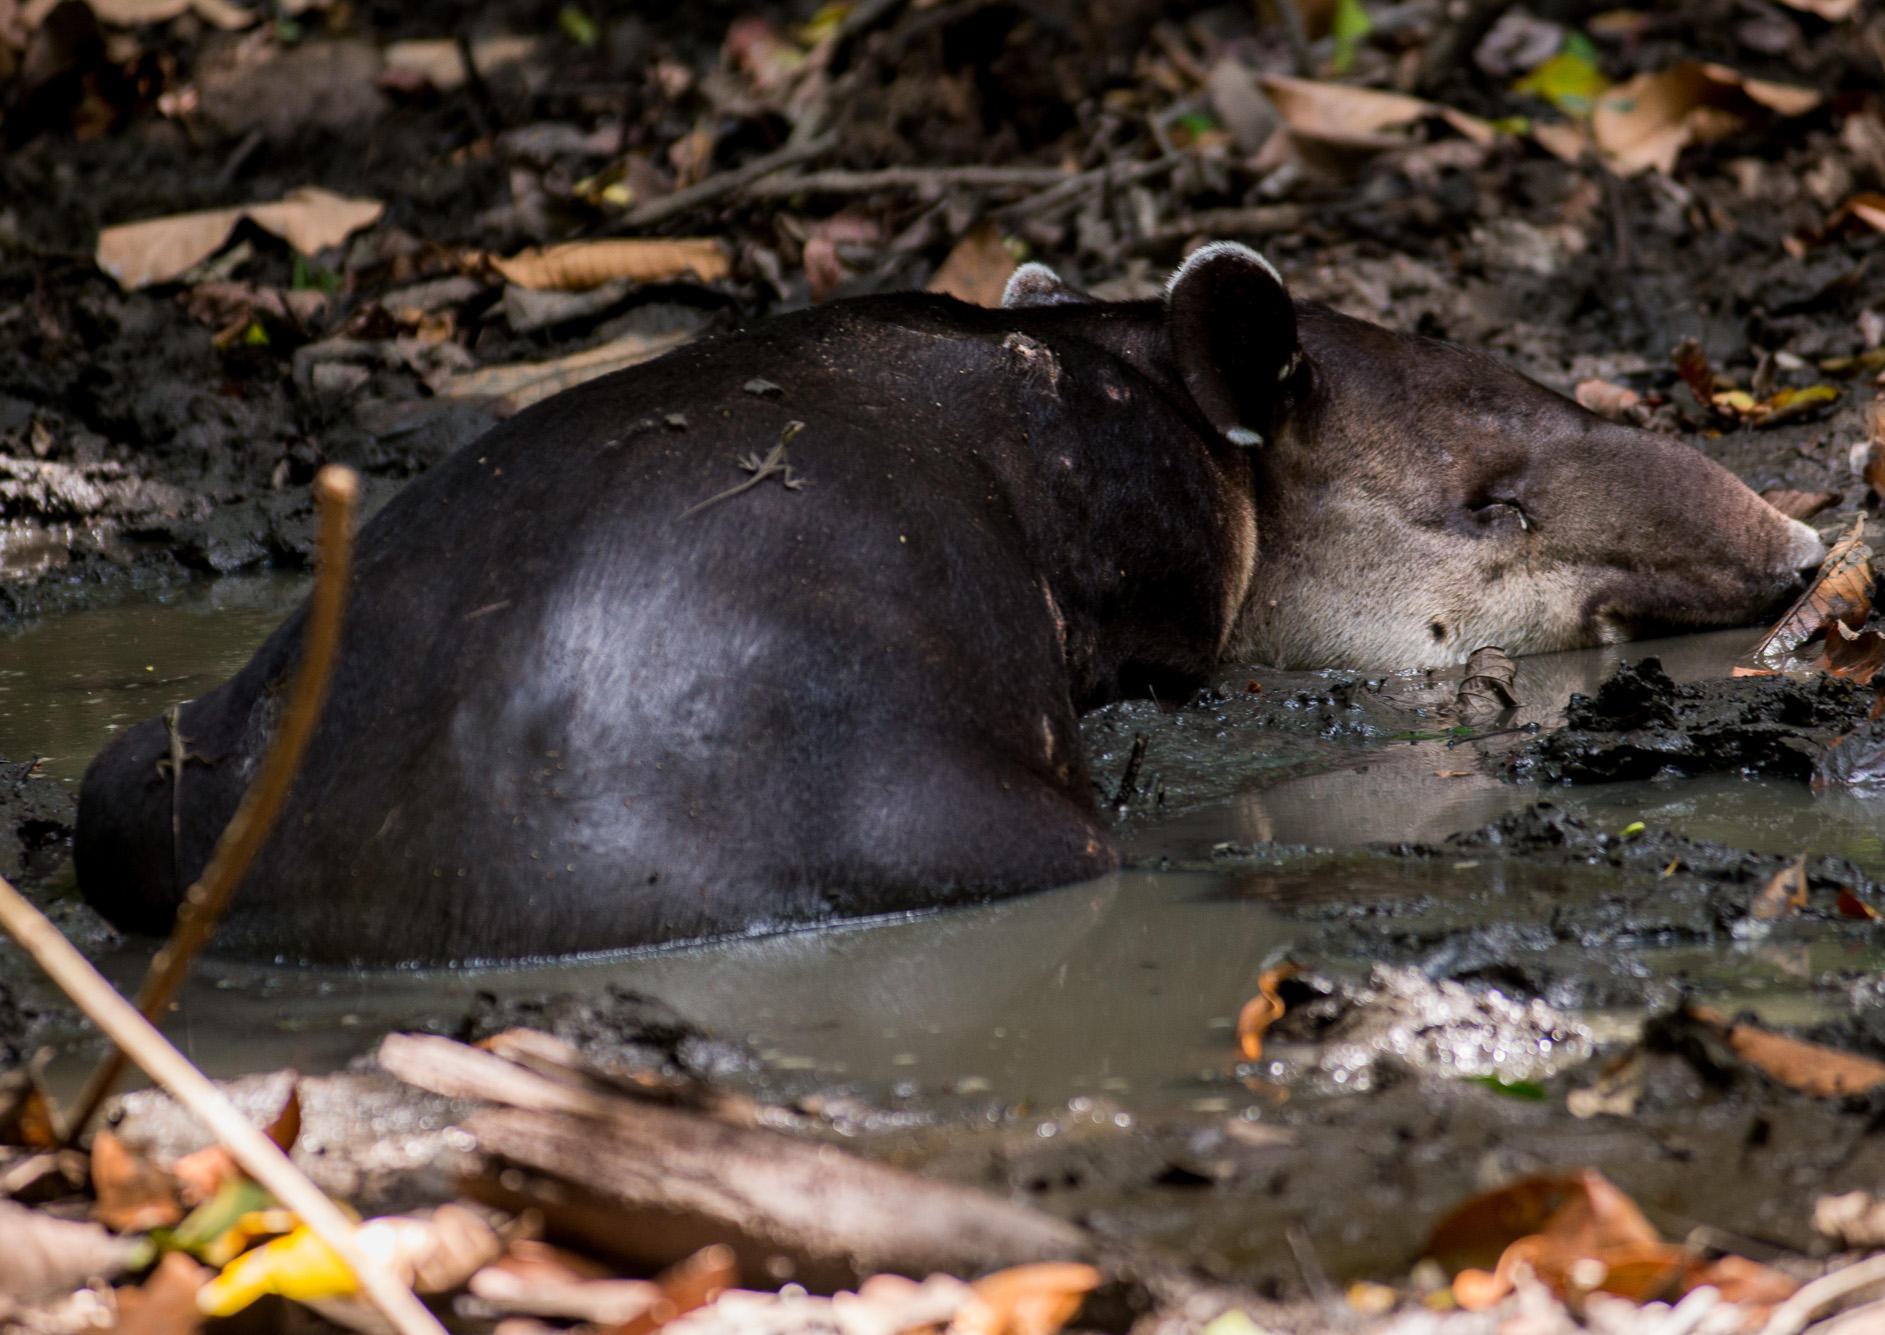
(1805, 551)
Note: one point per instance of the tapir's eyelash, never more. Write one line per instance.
(1524, 520)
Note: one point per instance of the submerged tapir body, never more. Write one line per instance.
(594, 692)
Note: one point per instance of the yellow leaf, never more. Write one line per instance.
(298, 1266)
(1569, 81)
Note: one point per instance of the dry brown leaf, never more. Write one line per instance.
(1851, 906)
(1811, 1068)
(160, 249)
(1841, 591)
(1033, 1299)
(1692, 365)
(1857, 657)
(1749, 1283)
(134, 1194)
(1800, 504)
(1833, 11)
(1867, 208)
(1343, 113)
(131, 13)
(580, 265)
(1262, 1011)
(685, 1286)
(1784, 895)
(1566, 140)
(165, 1304)
(1648, 121)
(514, 386)
(1487, 687)
(436, 60)
(1606, 399)
(977, 269)
(46, 1257)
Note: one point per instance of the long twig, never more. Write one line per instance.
(928, 179)
(1814, 1298)
(663, 207)
(1070, 188)
(259, 1156)
(336, 491)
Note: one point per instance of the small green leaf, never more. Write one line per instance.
(1529, 1090)
(255, 336)
(1197, 123)
(576, 24)
(1633, 829)
(1350, 26)
(217, 1215)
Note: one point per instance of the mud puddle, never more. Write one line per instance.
(1079, 1046)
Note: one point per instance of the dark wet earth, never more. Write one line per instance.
(1477, 937)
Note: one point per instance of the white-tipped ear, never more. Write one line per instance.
(1233, 335)
(1037, 285)
(1216, 250)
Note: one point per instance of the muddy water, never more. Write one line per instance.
(1125, 987)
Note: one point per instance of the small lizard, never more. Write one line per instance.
(171, 767)
(773, 465)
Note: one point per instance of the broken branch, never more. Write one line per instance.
(259, 1156)
(725, 183)
(336, 491)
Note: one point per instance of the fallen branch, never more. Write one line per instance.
(1808, 1302)
(336, 491)
(1070, 188)
(695, 1176)
(724, 183)
(259, 1156)
(923, 180)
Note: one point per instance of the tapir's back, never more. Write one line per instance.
(747, 636)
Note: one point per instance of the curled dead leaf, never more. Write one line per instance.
(1606, 399)
(1800, 505)
(1851, 906)
(159, 249)
(1782, 896)
(1858, 657)
(134, 1194)
(1812, 1068)
(1262, 1010)
(1841, 591)
(1648, 121)
(1487, 687)
(1033, 1299)
(977, 269)
(580, 265)
(1692, 365)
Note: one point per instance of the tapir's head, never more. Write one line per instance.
(1416, 500)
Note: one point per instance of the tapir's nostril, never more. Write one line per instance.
(1805, 551)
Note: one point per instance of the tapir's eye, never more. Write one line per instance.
(1502, 513)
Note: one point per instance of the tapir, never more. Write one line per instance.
(797, 623)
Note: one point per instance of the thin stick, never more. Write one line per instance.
(1792, 1315)
(259, 1156)
(663, 207)
(336, 490)
(1070, 188)
(929, 179)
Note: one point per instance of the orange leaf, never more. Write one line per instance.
(977, 269)
(1692, 365)
(686, 1285)
(1262, 1011)
(1858, 657)
(1783, 894)
(1851, 906)
(1800, 504)
(1811, 1068)
(1033, 1299)
(134, 1194)
(580, 265)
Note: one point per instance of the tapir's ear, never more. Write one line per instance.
(1038, 285)
(1233, 332)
